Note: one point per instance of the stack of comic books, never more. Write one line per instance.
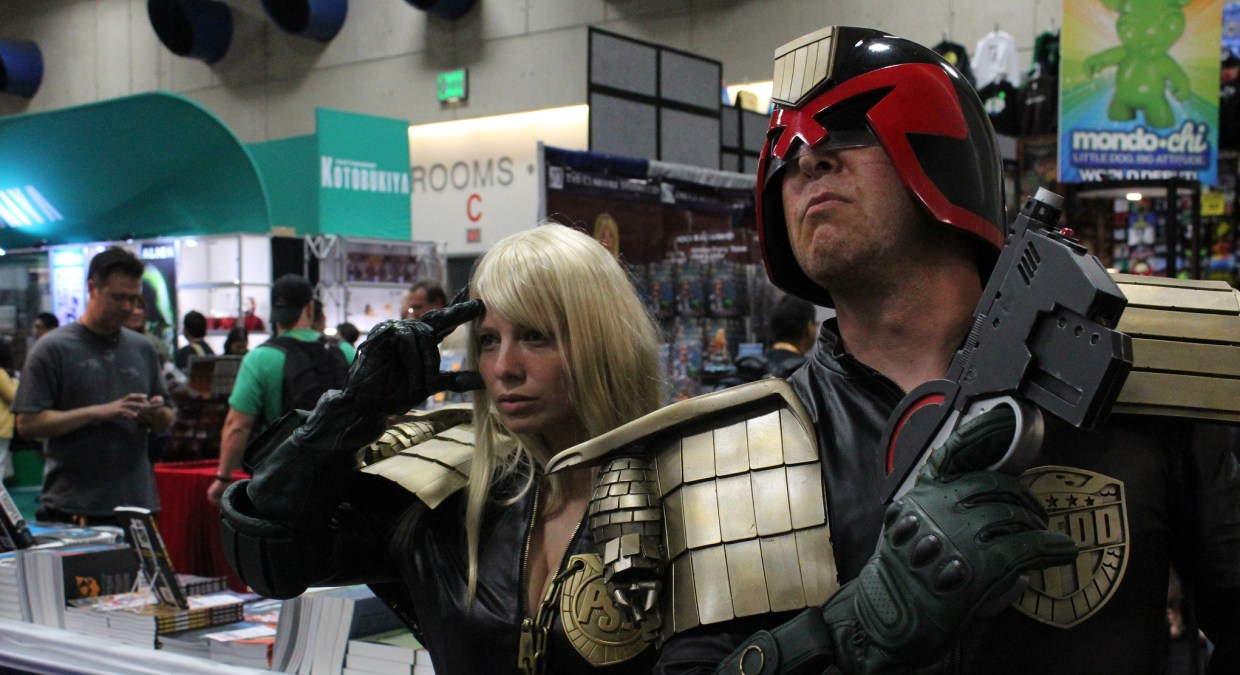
(251, 642)
(13, 604)
(388, 653)
(139, 619)
(54, 576)
(244, 643)
(142, 624)
(315, 628)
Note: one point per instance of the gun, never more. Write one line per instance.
(1043, 339)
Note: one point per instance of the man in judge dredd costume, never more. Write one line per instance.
(720, 519)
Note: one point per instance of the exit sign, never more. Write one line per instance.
(452, 86)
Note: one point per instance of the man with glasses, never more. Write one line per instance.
(94, 391)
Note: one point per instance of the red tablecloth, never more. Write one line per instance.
(190, 525)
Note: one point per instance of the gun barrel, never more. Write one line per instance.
(1049, 198)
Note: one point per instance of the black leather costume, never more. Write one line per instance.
(484, 637)
(312, 515)
(382, 534)
(1182, 495)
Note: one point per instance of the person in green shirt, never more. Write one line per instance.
(257, 399)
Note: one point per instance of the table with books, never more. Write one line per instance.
(190, 525)
(109, 599)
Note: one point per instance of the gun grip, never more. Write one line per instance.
(911, 429)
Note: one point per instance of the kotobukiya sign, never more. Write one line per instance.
(349, 174)
(363, 175)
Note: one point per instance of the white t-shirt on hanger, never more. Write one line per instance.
(995, 58)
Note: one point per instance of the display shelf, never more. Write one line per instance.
(226, 278)
(363, 281)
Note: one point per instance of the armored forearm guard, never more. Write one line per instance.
(627, 524)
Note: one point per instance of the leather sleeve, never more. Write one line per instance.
(353, 547)
(1212, 492)
(700, 650)
(310, 516)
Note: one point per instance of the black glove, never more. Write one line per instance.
(397, 366)
(302, 480)
(951, 549)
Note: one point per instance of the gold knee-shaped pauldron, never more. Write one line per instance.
(740, 499)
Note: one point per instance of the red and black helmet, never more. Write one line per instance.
(922, 111)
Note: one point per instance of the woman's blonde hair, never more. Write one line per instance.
(566, 285)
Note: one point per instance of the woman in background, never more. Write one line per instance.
(8, 391)
(137, 322)
(237, 342)
(488, 555)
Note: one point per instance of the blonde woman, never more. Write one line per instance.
(451, 518)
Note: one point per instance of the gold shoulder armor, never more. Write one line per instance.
(428, 453)
(1186, 348)
(737, 479)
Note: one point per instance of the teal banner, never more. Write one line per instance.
(363, 172)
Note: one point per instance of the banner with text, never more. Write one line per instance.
(1139, 90)
(474, 182)
(363, 175)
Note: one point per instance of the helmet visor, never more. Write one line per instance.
(835, 141)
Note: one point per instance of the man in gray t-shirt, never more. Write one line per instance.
(94, 389)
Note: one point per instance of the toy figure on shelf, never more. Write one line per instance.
(251, 321)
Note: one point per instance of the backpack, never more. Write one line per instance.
(310, 368)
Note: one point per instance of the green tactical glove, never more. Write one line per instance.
(953, 548)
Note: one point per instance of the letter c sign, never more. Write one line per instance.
(474, 200)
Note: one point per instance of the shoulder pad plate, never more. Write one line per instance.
(1186, 348)
(428, 454)
(746, 529)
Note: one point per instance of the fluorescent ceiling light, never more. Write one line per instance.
(20, 207)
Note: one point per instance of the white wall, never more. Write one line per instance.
(521, 54)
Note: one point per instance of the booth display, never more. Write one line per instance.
(1150, 228)
(228, 279)
(362, 281)
(688, 236)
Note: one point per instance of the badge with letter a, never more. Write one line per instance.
(1090, 508)
(597, 628)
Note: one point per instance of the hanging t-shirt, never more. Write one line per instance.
(996, 57)
(1002, 103)
(956, 54)
(1045, 55)
(1039, 106)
